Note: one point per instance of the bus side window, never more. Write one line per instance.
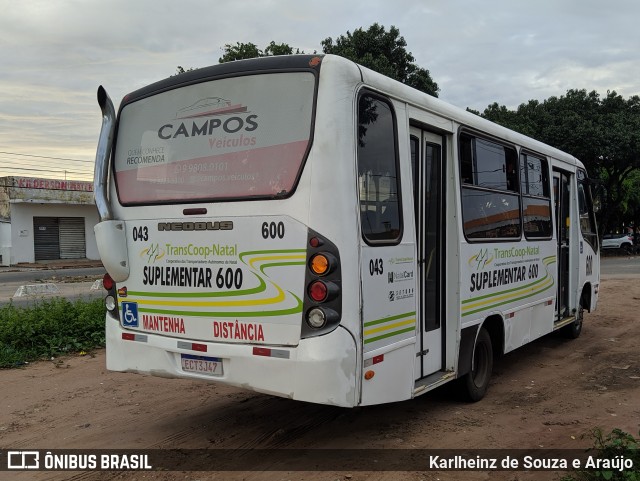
(587, 220)
(489, 188)
(378, 183)
(536, 197)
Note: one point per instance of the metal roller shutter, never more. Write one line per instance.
(72, 240)
(46, 238)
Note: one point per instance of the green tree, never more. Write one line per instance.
(384, 52)
(280, 49)
(632, 207)
(375, 48)
(603, 132)
(241, 51)
(629, 212)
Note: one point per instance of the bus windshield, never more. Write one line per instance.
(232, 138)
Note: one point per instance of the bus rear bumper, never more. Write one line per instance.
(320, 370)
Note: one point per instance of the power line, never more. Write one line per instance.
(46, 170)
(46, 157)
(39, 163)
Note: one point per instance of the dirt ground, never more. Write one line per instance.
(548, 394)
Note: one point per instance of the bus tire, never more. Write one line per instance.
(573, 330)
(476, 381)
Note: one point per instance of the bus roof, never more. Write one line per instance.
(371, 78)
(227, 69)
(461, 116)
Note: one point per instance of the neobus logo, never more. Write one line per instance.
(193, 226)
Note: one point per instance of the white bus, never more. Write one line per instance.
(305, 227)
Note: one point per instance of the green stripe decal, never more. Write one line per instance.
(388, 319)
(389, 327)
(391, 334)
(280, 264)
(283, 251)
(278, 312)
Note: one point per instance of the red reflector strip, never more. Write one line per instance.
(261, 351)
(192, 346)
(549, 302)
(128, 336)
(510, 315)
(199, 347)
(264, 351)
(374, 360)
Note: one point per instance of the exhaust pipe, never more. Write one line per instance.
(103, 154)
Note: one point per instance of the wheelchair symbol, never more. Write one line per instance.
(130, 314)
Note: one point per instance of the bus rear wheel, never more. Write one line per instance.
(476, 381)
(573, 330)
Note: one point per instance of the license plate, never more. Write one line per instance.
(209, 366)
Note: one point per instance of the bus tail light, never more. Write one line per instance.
(323, 280)
(107, 282)
(316, 318)
(318, 291)
(315, 242)
(319, 264)
(322, 264)
(322, 291)
(111, 299)
(110, 303)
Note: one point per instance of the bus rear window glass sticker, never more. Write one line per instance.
(229, 138)
(130, 314)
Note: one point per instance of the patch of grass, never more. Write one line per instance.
(615, 446)
(49, 328)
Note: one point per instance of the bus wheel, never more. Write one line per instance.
(573, 330)
(476, 381)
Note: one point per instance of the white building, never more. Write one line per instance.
(46, 219)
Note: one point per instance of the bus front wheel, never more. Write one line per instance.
(476, 381)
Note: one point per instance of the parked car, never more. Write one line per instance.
(618, 241)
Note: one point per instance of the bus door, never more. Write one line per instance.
(562, 199)
(426, 162)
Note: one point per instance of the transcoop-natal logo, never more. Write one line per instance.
(203, 118)
(484, 257)
(155, 252)
(481, 260)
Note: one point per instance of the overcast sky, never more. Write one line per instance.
(55, 53)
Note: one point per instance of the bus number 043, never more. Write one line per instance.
(140, 234)
(376, 267)
(271, 230)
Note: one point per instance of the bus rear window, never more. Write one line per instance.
(233, 138)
